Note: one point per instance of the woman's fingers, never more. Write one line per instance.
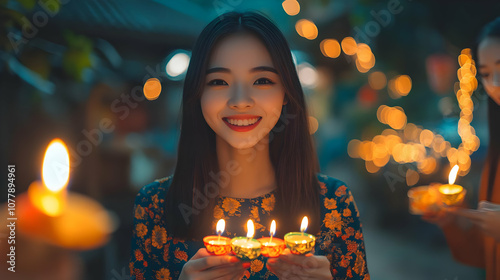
(473, 215)
(226, 272)
(210, 261)
(201, 253)
(285, 270)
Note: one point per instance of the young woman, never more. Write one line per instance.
(477, 242)
(245, 152)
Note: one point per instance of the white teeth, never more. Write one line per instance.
(245, 122)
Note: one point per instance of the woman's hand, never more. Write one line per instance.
(205, 266)
(486, 217)
(309, 266)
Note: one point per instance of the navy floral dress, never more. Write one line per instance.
(156, 255)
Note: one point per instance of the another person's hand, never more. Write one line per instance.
(205, 266)
(309, 266)
(486, 217)
(442, 218)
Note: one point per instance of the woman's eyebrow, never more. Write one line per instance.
(264, 68)
(255, 69)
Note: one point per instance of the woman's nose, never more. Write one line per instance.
(240, 97)
(495, 81)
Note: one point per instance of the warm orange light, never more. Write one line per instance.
(330, 48)
(412, 177)
(303, 225)
(291, 7)
(152, 88)
(453, 175)
(306, 29)
(50, 195)
(221, 224)
(349, 46)
(403, 84)
(353, 148)
(364, 52)
(273, 228)
(250, 229)
(377, 80)
(55, 168)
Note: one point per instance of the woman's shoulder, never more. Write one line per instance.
(154, 192)
(331, 187)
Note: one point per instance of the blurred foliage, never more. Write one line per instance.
(77, 56)
(15, 17)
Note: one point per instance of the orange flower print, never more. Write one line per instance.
(230, 205)
(330, 203)
(166, 251)
(159, 237)
(138, 255)
(256, 266)
(155, 201)
(351, 246)
(141, 230)
(268, 203)
(367, 277)
(323, 188)
(139, 212)
(333, 220)
(163, 274)
(341, 191)
(254, 213)
(344, 262)
(181, 255)
(349, 231)
(346, 213)
(358, 235)
(147, 245)
(359, 265)
(138, 275)
(218, 213)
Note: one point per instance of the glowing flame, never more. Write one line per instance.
(55, 169)
(250, 229)
(303, 225)
(273, 228)
(453, 175)
(221, 224)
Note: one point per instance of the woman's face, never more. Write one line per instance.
(489, 66)
(243, 93)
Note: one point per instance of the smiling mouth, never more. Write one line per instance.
(242, 122)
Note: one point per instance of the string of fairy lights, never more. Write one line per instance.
(403, 142)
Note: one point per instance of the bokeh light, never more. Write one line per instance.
(152, 88)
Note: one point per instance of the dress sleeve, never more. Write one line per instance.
(140, 258)
(341, 239)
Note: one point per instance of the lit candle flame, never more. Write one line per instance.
(55, 169)
(221, 224)
(453, 175)
(250, 229)
(303, 225)
(273, 228)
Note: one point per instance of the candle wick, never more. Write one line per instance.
(218, 240)
(271, 239)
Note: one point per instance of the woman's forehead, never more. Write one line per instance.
(240, 51)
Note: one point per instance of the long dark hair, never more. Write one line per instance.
(491, 30)
(291, 148)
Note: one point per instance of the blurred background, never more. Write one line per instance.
(387, 83)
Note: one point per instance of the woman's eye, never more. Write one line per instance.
(484, 75)
(264, 81)
(217, 82)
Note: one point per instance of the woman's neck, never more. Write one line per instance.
(250, 171)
